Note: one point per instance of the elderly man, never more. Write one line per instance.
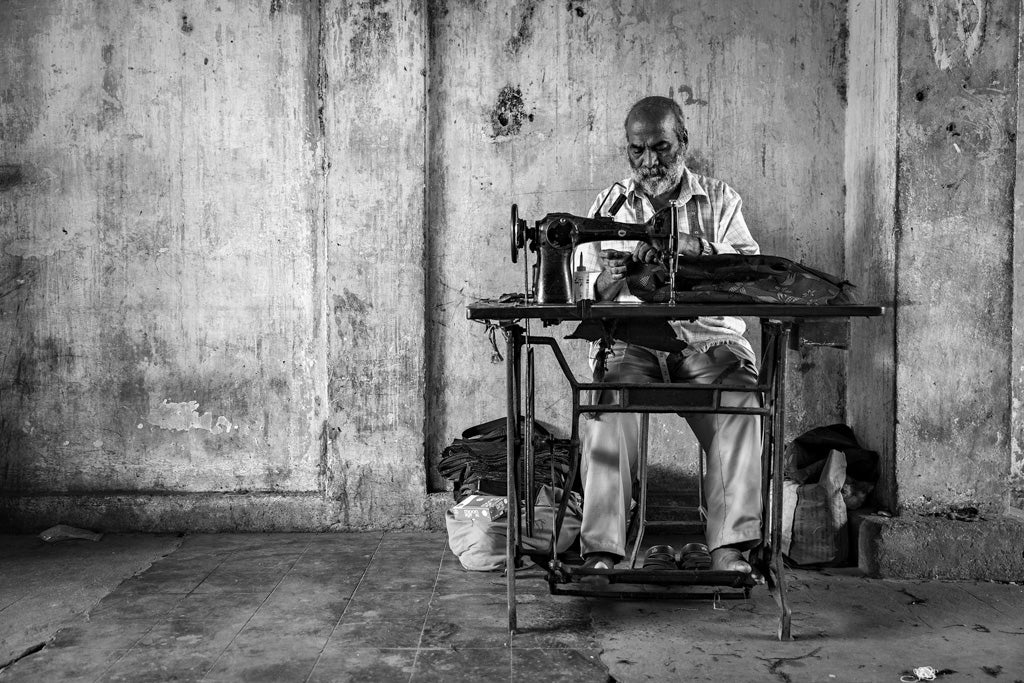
(713, 349)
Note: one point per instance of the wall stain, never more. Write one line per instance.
(524, 31)
(186, 25)
(10, 175)
(13, 443)
(350, 314)
(690, 99)
(837, 59)
(372, 39)
(111, 106)
(41, 362)
(508, 112)
(275, 7)
(699, 162)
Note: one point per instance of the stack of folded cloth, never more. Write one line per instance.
(478, 465)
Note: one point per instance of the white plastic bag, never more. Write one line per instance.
(814, 516)
(480, 543)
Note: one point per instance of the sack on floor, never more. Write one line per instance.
(814, 516)
(479, 543)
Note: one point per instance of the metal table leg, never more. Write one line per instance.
(776, 575)
(513, 344)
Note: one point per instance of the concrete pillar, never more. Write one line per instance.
(938, 242)
(1017, 337)
(373, 91)
(931, 169)
(955, 190)
(871, 228)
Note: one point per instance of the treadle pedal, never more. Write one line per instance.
(660, 577)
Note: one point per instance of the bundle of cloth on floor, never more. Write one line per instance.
(476, 462)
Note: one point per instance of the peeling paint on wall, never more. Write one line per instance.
(957, 29)
(184, 416)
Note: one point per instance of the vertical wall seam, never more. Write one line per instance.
(1015, 296)
(897, 233)
(323, 473)
(428, 350)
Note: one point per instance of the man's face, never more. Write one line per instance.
(655, 153)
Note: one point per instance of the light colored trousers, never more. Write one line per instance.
(611, 444)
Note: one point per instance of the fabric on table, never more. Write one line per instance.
(738, 277)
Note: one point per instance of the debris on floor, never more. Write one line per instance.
(64, 532)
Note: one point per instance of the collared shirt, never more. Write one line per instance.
(720, 217)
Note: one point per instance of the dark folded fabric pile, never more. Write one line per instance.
(741, 278)
(476, 462)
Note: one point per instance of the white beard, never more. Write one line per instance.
(660, 179)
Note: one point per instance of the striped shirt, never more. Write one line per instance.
(721, 222)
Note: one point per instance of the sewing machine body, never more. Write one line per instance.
(555, 237)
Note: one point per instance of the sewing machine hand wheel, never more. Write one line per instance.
(517, 234)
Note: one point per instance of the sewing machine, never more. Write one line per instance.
(556, 236)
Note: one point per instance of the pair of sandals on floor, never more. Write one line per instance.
(693, 556)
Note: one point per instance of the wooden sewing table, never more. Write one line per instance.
(777, 324)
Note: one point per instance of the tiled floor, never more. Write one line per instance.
(305, 607)
(392, 606)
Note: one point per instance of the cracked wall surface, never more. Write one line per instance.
(238, 240)
(763, 88)
(159, 249)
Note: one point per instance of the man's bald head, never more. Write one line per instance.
(654, 108)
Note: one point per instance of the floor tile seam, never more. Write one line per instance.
(341, 617)
(8, 606)
(209, 573)
(142, 635)
(983, 601)
(426, 615)
(255, 611)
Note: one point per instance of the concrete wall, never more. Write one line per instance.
(763, 88)
(160, 249)
(226, 227)
(238, 238)
(213, 289)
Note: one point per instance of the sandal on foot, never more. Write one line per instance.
(660, 557)
(694, 556)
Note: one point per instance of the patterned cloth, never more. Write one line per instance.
(736, 277)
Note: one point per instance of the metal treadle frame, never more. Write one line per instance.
(777, 322)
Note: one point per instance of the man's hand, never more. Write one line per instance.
(614, 264)
(658, 249)
(648, 253)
